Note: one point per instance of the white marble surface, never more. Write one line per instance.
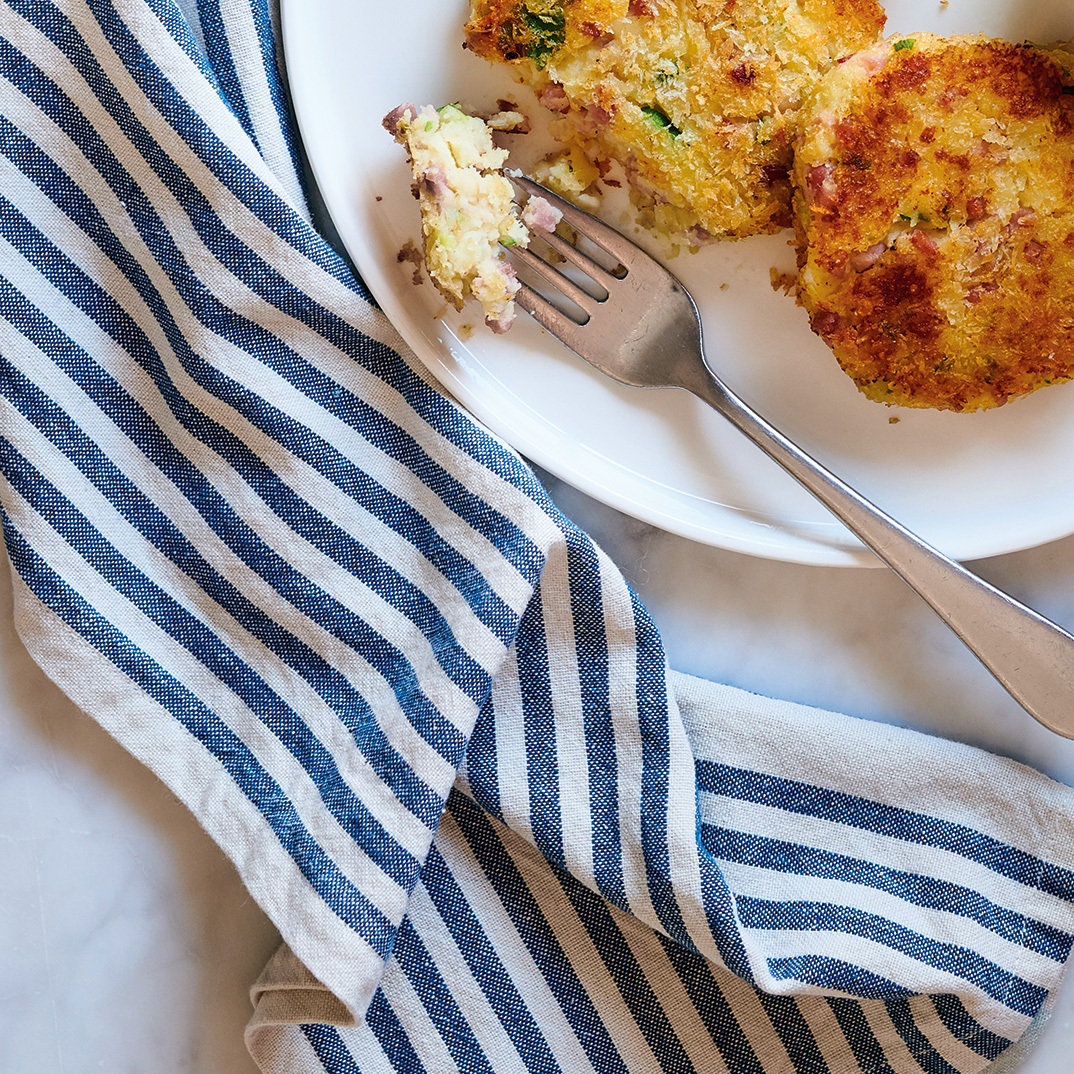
(127, 943)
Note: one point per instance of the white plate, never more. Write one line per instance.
(973, 485)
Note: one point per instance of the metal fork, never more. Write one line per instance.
(643, 329)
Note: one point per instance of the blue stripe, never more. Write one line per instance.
(453, 906)
(199, 640)
(840, 808)
(863, 1043)
(591, 645)
(440, 1005)
(218, 50)
(434, 407)
(923, 1051)
(698, 977)
(323, 875)
(542, 759)
(921, 890)
(1000, 984)
(294, 586)
(392, 508)
(330, 1049)
(965, 1028)
(536, 933)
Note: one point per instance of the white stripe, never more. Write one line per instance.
(363, 1046)
(572, 760)
(512, 768)
(346, 964)
(886, 851)
(939, 925)
(303, 794)
(419, 754)
(499, 929)
(249, 62)
(619, 626)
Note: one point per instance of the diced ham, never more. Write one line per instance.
(1033, 251)
(923, 242)
(540, 215)
(554, 97)
(391, 121)
(820, 182)
(826, 323)
(976, 209)
(434, 183)
(865, 259)
(600, 36)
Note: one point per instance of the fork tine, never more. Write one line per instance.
(556, 278)
(598, 273)
(607, 238)
(555, 320)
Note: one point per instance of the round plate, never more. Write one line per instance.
(974, 485)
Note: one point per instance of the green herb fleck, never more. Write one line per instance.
(508, 241)
(429, 124)
(906, 42)
(660, 120)
(537, 31)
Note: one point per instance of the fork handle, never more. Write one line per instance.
(1029, 655)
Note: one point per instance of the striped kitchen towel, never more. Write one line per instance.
(420, 710)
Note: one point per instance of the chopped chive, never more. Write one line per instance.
(906, 42)
(660, 120)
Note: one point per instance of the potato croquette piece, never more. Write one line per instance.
(467, 207)
(935, 219)
(696, 98)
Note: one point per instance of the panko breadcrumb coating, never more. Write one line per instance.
(467, 206)
(696, 98)
(935, 219)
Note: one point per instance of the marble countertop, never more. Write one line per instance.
(127, 943)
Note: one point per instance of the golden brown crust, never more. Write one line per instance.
(697, 98)
(935, 218)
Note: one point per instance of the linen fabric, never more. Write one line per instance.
(421, 711)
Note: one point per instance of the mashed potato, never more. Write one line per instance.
(467, 207)
(935, 219)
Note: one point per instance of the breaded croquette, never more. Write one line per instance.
(695, 98)
(935, 219)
